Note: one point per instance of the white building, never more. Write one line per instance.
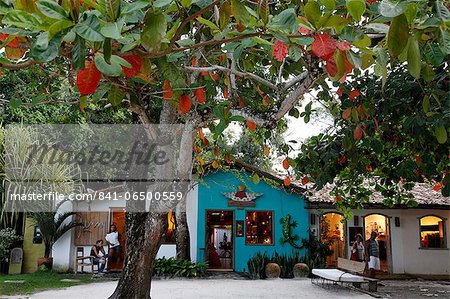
(412, 240)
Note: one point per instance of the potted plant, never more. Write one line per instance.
(53, 226)
(8, 238)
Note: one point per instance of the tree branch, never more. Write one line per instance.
(17, 66)
(235, 72)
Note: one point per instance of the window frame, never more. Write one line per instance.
(444, 231)
(271, 224)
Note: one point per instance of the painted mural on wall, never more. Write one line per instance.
(241, 198)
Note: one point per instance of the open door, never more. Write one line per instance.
(380, 224)
(117, 217)
(332, 232)
(219, 251)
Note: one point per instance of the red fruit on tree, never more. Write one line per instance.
(136, 64)
(358, 133)
(286, 164)
(340, 91)
(14, 43)
(323, 46)
(280, 50)
(305, 180)
(354, 94)
(344, 45)
(287, 181)
(185, 103)
(88, 78)
(200, 95)
(167, 91)
(250, 125)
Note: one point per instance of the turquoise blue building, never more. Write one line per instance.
(239, 217)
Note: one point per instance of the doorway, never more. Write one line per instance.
(117, 216)
(380, 224)
(219, 240)
(332, 232)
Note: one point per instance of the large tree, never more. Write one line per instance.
(206, 63)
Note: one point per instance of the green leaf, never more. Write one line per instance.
(284, 21)
(433, 54)
(59, 26)
(50, 52)
(390, 9)
(329, 4)
(52, 10)
(303, 41)
(89, 29)
(427, 72)
(100, 92)
(22, 19)
(224, 14)
(15, 103)
(153, 31)
(96, 5)
(414, 62)
(312, 11)
(114, 69)
(411, 12)
(295, 53)
(116, 95)
(112, 9)
(356, 8)
(208, 23)
(441, 134)
(398, 35)
(112, 30)
(336, 22)
(78, 53)
(445, 39)
(426, 104)
(240, 12)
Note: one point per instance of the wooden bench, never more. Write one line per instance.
(84, 261)
(353, 274)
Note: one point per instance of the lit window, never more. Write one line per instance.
(259, 229)
(432, 232)
(171, 228)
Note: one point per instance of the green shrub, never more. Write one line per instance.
(178, 268)
(256, 265)
(8, 239)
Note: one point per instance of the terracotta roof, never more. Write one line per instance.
(423, 194)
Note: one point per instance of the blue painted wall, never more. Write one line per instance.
(280, 202)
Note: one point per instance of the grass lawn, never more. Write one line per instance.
(38, 281)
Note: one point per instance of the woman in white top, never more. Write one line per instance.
(358, 249)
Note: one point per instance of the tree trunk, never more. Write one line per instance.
(182, 232)
(144, 232)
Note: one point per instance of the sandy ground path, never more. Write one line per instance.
(210, 288)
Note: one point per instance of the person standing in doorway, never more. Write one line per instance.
(372, 254)
(358, 249)
(113, 239)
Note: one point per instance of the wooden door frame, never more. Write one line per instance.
(233, 234)
(345, 229)
(389, 256)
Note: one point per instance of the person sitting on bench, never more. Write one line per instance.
(98, 252)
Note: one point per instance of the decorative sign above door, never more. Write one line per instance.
(241, 198)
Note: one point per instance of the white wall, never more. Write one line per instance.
(407, 257)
